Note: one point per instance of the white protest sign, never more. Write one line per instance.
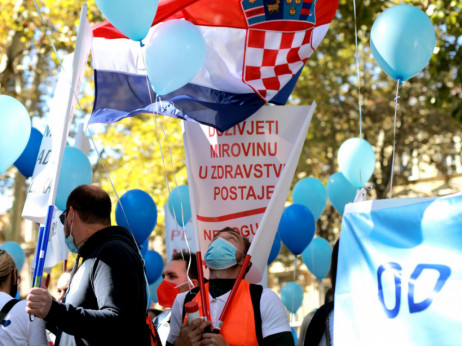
(232, 176)
(57, 249)
(178, 239)
(42, 190)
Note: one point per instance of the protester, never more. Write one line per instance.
(106, 301)
(179, 275)
(15, 326)
(63, 284)
(256, 315)
(318, 326)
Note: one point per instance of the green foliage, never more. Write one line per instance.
(427, 101)
(144, 152)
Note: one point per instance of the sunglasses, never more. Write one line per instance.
(62, 217)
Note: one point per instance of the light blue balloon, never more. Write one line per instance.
(132, 18)
(312, 194)
(317, 257)
(154, 264)
(402, 41)
(138, 213)
(296, 227)
(153, 290)
(26, 161)
(15, 130)
(179, 204)
(15, 250)
(356, 160)
(292, 296)
(275, 249)
(340, 191)
(174, 54)
(75, 171)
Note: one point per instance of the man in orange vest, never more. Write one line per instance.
(256, 315)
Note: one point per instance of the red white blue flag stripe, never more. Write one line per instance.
(247, 64)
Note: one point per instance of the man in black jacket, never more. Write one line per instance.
(106, 300)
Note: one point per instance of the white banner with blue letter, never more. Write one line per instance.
(399, 277)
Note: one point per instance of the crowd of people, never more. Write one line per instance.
(103, 299)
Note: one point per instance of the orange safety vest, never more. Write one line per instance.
(239, 324)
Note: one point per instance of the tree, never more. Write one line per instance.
(145, 152)
(28, 67)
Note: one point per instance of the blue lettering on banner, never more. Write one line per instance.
(396, 268)
(444, 273)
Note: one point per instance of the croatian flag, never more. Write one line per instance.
(256, 50)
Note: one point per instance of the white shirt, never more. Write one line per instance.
(273, 313)
(162, 324)
(16, 329)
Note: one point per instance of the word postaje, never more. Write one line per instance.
(246, 128)
(245, 231)
(243, 193)
(241, 171)
(443, 271)
(243, 149)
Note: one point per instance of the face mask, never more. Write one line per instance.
(70, 243)
(14, 284)
(221, 254)
(166, 293)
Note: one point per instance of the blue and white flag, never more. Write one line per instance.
(399, 278)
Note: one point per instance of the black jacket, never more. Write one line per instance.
(106, 301)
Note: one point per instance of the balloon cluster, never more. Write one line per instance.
(402, 42)
(175, 49)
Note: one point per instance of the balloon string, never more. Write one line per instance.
(106, 172)
(394, 138)
(357, 70)
(295, 267)
(159, 100)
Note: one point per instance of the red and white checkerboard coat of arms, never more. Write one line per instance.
(281, 36)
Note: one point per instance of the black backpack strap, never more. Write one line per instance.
(6, 308)
(255, 294)
(189, 296)
(317, 325)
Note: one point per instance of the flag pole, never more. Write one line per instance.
(37, 252)
(242, 271)
(42, 249)
(200, 267)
